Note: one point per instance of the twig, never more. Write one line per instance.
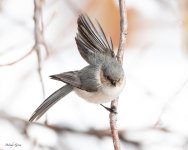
(18, 60)
(73, 7)
(1, 5)
(172, 98)
(99, 133)
(123, 30)
(185, 22)
(39, 38)
(114, 103)
(113, 125)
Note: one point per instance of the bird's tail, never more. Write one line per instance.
(50, 101)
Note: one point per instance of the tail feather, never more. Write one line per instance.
(50, 101)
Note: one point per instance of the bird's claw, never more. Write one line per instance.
(111, 110)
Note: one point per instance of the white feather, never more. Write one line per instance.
(104, 95)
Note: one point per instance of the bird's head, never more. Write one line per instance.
(112, 73)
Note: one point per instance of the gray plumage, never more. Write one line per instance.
(50, 101)
(85, 79)
(89, 79)
(70, 77)
(92, 43)
(99, 82)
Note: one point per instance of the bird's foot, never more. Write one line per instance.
(111, 110)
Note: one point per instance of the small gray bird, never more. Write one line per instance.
(99, 82)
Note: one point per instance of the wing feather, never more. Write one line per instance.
(92, 41)
(70, 77)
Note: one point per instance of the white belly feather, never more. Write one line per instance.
(104, 95)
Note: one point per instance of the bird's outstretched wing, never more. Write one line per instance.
(92, 42)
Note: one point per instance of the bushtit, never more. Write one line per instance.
(99, 82)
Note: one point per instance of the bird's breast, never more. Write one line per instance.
(103, 95)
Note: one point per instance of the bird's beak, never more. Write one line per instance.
(114, 83)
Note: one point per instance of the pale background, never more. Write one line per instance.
(152, 112)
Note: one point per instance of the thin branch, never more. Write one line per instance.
(184, 4)
(39, 38)
(18, 60)
(113, 125)
(172, 98)
(123, 30)
(114, 103)
(1, 5)
(73, 6)
(99, 133)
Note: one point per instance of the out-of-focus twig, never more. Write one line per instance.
(158, 122)
(73, 7)
(185, 21)
(1, 3)
(18, 60)
(39, 40)
(122, 42)
(39, 37)
(99, 133)
(38, 32)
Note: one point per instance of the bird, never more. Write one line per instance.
(101, 81)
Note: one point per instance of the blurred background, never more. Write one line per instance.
(38, 40)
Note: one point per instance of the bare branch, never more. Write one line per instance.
(123, 30)
(184, 4)
(172, 98)
(99, 133)
(1, 5)
(73, 7)
(114, 103)
(39, 37)
(113, 125)
(38, 30)
(18, 60)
